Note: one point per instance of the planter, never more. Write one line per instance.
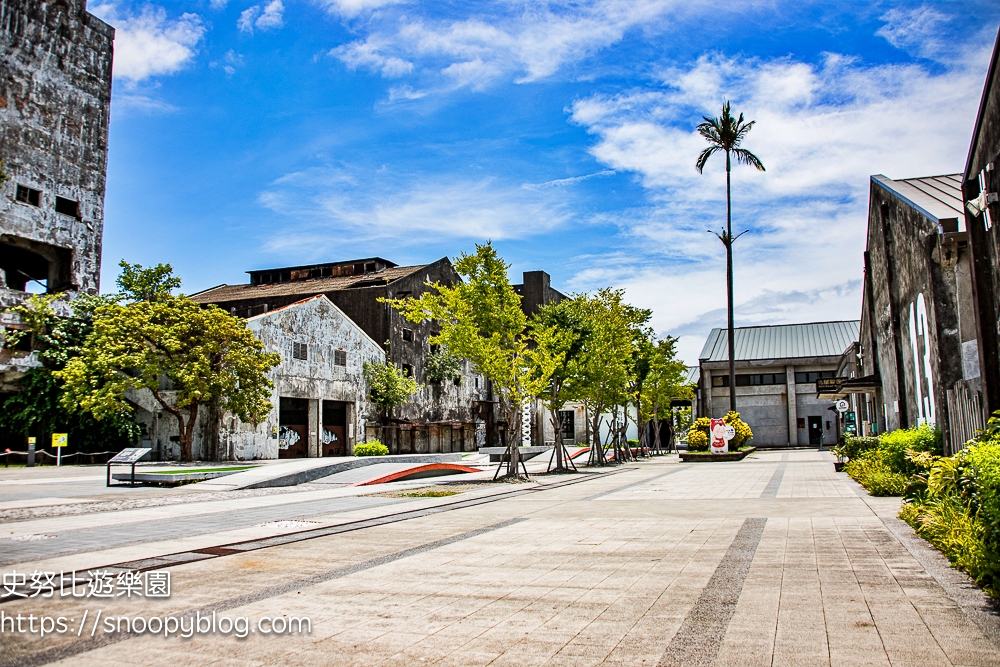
(838, 466)
(709, 456)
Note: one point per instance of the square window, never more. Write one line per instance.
(802, 422)
(300, 351)
(28, 196)
(408, 370)
(67, 207)
(339, 358)
(408, 335)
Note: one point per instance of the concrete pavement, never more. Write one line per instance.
(774, 560)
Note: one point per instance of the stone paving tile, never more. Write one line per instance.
(586, 582)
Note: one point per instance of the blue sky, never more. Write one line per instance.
(246, 135)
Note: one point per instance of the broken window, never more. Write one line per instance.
(28, 196)
(408, 370)
(339, 358)
(408, 335)
(67, 207)
(370, 267)
(300, 351)
(31, 266)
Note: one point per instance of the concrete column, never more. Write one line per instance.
(793, 416)
(706, 393)
(314, 426)
(350, 437)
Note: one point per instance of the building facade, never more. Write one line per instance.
(319, 397)
(777, 368)
(918, 339)
(980, 188)
(55, 95)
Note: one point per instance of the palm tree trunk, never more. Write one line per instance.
(729, 283)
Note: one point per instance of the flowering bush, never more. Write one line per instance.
(371, 448)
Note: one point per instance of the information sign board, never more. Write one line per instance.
(59, 439)
(130, 455)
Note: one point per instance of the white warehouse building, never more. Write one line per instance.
(776, 372)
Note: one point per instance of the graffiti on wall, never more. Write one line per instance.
(923, 375)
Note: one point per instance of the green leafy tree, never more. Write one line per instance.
(388, 387)
(605, 368)
(205, 355)
(725, 134)
(562, 327)
(56, 337)
(664, 381)
(481, 320)
(442, 366)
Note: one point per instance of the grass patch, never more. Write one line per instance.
(430, 494)
(186, 471)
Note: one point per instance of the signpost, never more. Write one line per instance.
(59, 441)
(31, 452)
(129, 456)
(843, 406)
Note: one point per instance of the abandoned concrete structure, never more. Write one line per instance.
(777, 368)
(319, 395)
(461, 405)
(918, 348)
(55, 94)
(980, 188)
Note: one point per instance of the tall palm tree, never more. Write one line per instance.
(726, 133)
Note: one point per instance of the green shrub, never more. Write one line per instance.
(743, 432)
(853, 446)
(697, 441)
(370, 448)
(873, 470)
(897, 443)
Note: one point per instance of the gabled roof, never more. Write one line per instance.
(310, 287)
(303, 302)
(782, 341)
(936, 197)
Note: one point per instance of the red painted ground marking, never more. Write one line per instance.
(402, 474)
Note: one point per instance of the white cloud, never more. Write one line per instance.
(366, 55)
(218, 4)
(328, 207)
(351, 8)
(271, 18)
(916, 30)
(572, 180)
(150, 44)
(821, 131)
(532, 44)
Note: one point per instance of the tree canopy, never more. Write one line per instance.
(186, 355)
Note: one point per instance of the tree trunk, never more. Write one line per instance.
(729, 284)
(185, 430)
(656, 429)
(597, 448)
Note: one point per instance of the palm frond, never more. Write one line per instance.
(743, 156)
(705, 154)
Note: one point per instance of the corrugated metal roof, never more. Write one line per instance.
(693, 373)
(936, 197)
(224, 293)
(782, 341)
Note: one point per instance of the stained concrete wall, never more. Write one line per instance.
(325, 329)
(921, 312)
(55, 93)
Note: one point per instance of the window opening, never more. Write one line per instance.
(339, 358)
(28, 196)
(408, 334)
(408, 370)
(67, 207)
(300, 351)
(812, 376)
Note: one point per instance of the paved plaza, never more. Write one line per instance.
(774, 560)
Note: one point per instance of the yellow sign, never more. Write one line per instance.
(59, 439)
(31, 440)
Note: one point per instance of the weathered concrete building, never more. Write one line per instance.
(980, 188)
(319, 395)
(450, 411)
(55, 94)
(918, 344)
(777, 368)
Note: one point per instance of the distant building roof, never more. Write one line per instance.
(782, 341)
(693, 373)
(307, 287)
(937, 197)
